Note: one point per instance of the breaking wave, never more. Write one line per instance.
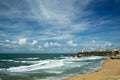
(42, 65)
(31, 58)
(49, 64)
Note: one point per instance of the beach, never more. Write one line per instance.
(110, 71)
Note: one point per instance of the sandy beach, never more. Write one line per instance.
(110, 71)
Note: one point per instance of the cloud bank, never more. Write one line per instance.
(60, 25)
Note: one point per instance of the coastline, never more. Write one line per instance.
(110, 71)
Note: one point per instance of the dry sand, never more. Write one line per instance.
(110, 71)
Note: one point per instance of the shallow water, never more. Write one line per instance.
(45, 66)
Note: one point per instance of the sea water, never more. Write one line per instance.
(46, 66)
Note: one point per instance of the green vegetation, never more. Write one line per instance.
(97, 53)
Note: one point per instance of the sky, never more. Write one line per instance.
(59, 26)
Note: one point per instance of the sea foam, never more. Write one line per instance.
(31, 58)
(46, 64)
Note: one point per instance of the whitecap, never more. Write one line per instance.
(46, 64)
(9, 60)
(31, 58)
(56, 72)
(82, 58)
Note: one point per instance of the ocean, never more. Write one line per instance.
(46, 66)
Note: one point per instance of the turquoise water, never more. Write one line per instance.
(45, 66)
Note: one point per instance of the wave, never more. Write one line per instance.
(29, 62)
(83, 58)
(95, 57)
(55, 72)
(46, 64)
(31, 58)
(67, 62)
(17, 59)
(9, 60)
(52, 78)
(21, 61)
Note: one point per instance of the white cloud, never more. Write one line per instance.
(22, 41)
(52, 44)
(57, 44)
(58, 36)
(59, 14)
(93, 41)
(34, 42)
(39, 47)
(97, 45)
(46, 45)
(70, 43)
(7, 41)
(59, 19)
(53, 12)
(74, 49)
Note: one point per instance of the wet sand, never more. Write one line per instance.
(110, 71)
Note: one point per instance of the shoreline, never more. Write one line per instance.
(109, 71)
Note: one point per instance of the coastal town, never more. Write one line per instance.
(113, 54)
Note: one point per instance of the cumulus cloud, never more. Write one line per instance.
(98, 45)
(52, 44)
(70, 43)
(93, 41)
(22, 41)
(39, 47)
(7, 41)
(34, 42)
(57, 44)
(46, 45)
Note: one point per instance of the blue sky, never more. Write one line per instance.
(59, 26)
